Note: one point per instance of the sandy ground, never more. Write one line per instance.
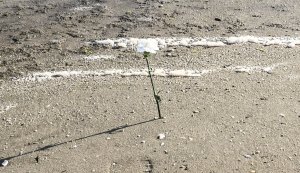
(223, 121)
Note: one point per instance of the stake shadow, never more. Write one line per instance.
(47, 147)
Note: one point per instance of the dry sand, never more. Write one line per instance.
(227, 120)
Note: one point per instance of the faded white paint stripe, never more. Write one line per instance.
(41, 76)
(206, 42)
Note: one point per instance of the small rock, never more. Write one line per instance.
(184, 167)
(161, 136)
(218, 19)
(195, 111)
(37, 159)
(291, 45)
(263, 98)
(143, 142)
(282, 115)
(247, 156)
(162, 144)
(170, 50)
(4, 163)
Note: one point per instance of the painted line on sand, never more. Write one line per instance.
(164, 42)
(42, 76)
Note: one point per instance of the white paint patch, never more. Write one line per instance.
(99, 57)
(87, 8)
(4, 108)
(82, 8)
(205, 42)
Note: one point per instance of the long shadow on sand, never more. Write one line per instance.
(110, 131)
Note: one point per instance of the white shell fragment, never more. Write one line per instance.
(4, 163)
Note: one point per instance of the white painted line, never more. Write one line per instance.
(42, 76)
(205, 42)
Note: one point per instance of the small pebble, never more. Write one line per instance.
(247, 156)
(143, 142)
(282, 115)
(218, 19)
(291, 45)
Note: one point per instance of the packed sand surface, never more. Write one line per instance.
(76, 97)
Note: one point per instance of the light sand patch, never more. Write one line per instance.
(4, 108)
(293, 77)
